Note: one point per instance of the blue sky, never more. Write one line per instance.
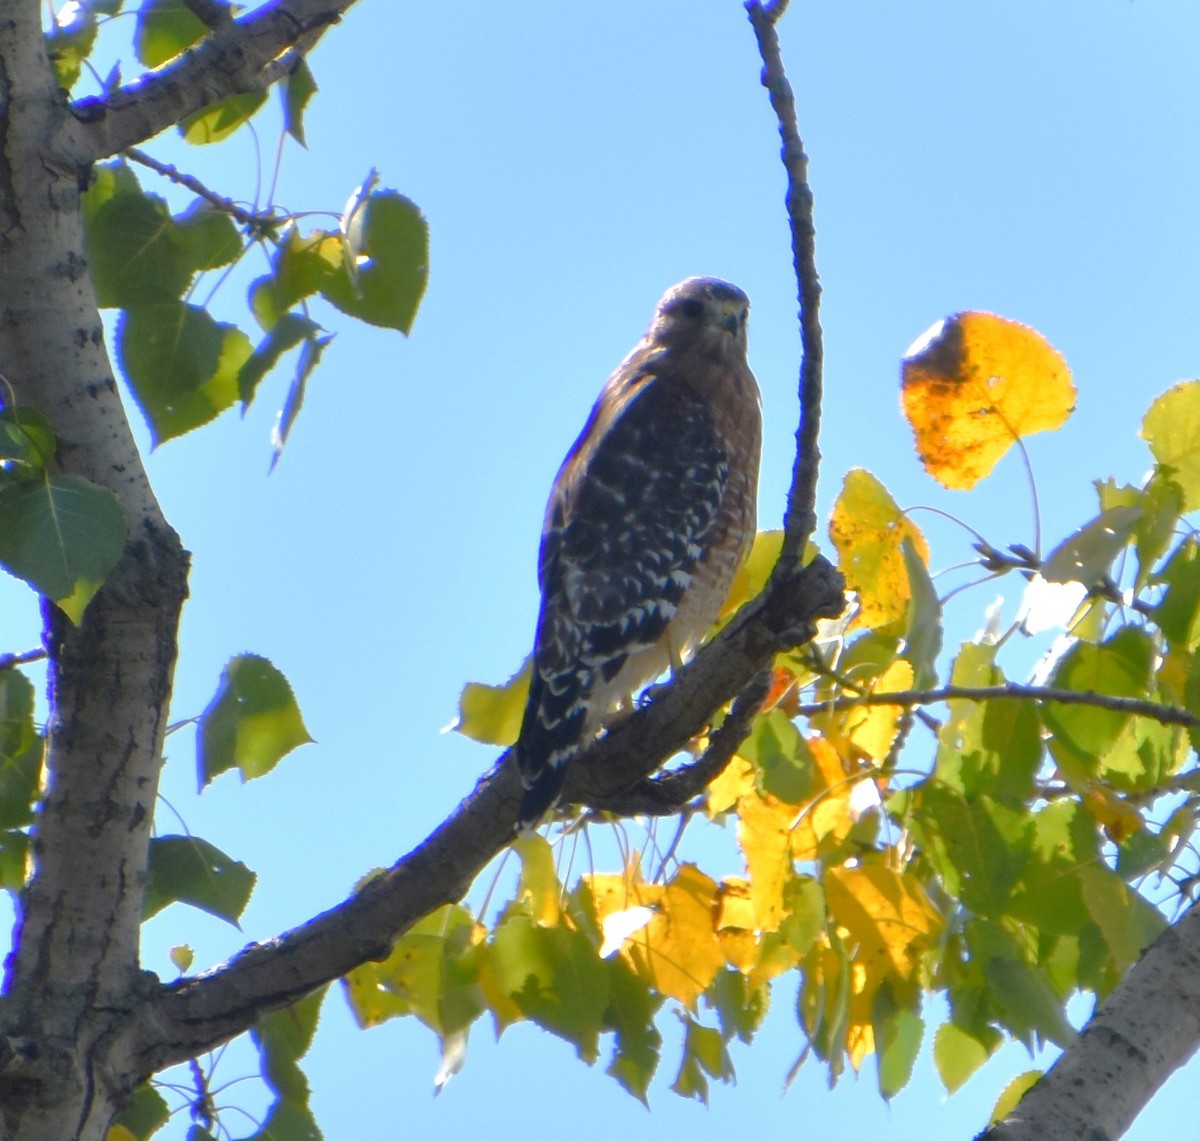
(573, 160)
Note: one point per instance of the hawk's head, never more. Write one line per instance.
(704, 310)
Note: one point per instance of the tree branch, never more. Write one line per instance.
(800, 519)
(196, 1014)
(258, 223)
(1146, 1029)
(239, 56)
(1136, 706)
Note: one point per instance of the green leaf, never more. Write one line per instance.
(285, 334)
(26, 438)
(302, 262)
(182, 365)
(299, 87)
(20, 750)
(391, 279)
(556, 978)
(186, 869)
(1088, 555)
(740, 1007)
(252, 722)
(283, 1038)
(69, 45)
(62, 535)
(957, 1054)
(207, 236)
(777, 750)
(492, 714)
(898, 1029)
(221, 119)
(923, 634)
(14, 860)
(1178, 615)
(146, 1113)
(164, 29)
(1172, 429)
(413, 979)
(310, 357)
(631, 1010)
(135, 250)
(1121, 666)
(704, 1056)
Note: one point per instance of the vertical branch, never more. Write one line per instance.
(800, 519)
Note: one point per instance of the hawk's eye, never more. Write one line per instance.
(691, 308)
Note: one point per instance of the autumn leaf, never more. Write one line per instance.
(868, 529)
(973, 385)
(1172, 429)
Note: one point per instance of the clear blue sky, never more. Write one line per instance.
(1037, 160)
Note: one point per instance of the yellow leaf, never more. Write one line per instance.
(1114, 814)
(873, 728)
(119, 1133)
(1172, 429)
(539, 881)
(973, 385)
(1013, 1092)
(867, 528)
(888, 914)
(828, 817)
(735, 781)
(492, 714)
(678, 952)
(765, 836)
(752, 575)
(736, 924)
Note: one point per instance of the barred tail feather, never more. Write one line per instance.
(550, 738)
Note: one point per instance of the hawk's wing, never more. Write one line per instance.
(625, 527)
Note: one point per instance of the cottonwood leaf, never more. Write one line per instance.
(1172, 429)
(973, 385)
(63, 535)
(186, 869)
(252, 722)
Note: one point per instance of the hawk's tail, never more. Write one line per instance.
(550, 738)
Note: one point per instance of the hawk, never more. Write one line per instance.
(651, 514)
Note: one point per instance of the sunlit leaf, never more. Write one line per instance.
(68, 45)
(774, 746)
(146, 1113)
(391, 279)
(704, 1056)
(899, 1030)
(182, 364)
(1172, 429)
(14, 860)
(20, 751)
(221, 119)
(285, 334)
(957, 1054)
(973, 385)
(492, 714)
(26, 438)
(186, 869)
(164, 29)
(252, 721)
(868, 530)
(299, 87)
(1088, 555)
(63, 535)
(1013, 1092)
(539, 887)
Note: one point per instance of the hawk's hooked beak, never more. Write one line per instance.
(731, 319)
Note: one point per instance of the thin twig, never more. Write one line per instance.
(11, 661)
(1135, 706)
(800, 520)
(258, 223)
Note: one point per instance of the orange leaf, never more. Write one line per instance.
(973, 385)
(868, 530)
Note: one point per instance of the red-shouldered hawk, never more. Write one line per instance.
(652, 512)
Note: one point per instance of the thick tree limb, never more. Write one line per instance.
(248, 54)
(1146, 1030)
(75, 959)
(197, 1014)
